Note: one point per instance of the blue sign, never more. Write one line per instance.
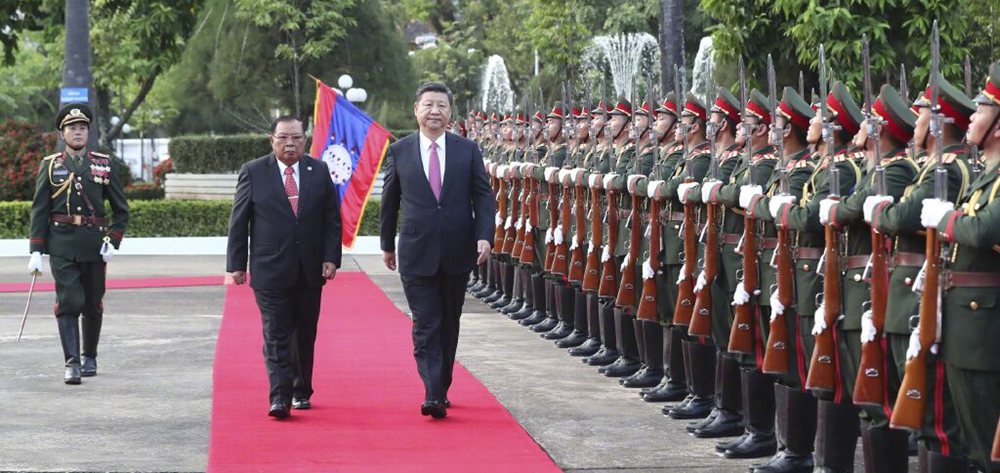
(73, 94)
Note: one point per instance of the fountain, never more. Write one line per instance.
(629, 57)
(495, 91)
(701, 84)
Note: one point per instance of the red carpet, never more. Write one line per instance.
(47, 285)
(366, 409)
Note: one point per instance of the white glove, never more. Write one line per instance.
(35, 263)
(747, 194)
(868, 331)
(914, 349)
(517, 224)
(741, 296)
(605, 254)
(548, 235)
(497, 220)
(709, 189)
(918, 282)
(777, 308)
(700, 282)
(557, 236)
(527, 225)
(509, 223)
(590, 247)
(624, 263)
(777, 202)
(683, 274)
(824, 210)
(819, 324)
(575, 245)
(682, 190)
(647, 270)
(107, 251)
(873, 201)
(933, 212)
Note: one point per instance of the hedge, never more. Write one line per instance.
(164, 218)
(204, 154)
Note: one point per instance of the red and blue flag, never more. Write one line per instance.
(352, 145)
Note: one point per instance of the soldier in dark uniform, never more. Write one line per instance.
(970, 326)
(70, 224)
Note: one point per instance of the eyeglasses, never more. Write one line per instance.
(284, 138)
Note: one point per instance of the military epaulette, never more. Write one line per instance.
(948, 158)
(730, 154)
(763, 156)
(839, 158)
(675, 148)
(52, 156)
(99, 155)
(802, 163)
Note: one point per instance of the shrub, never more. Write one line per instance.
(166, 166)
(144, 191)
(203, 154)
(22, 147)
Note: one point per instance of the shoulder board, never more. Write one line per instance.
(99, 155)
(804, 163)
(676, 148)
(761, 157)
(948, 158)
(52, 156)
(839, 158)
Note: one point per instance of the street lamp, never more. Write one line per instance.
(356, 95)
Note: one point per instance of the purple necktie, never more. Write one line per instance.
(434, 172)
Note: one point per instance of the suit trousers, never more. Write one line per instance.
(436, 304)
(289, 318)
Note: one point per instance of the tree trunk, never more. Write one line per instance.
(147, 85)
(671, 41)
(76, 65)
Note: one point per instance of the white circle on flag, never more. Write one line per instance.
(339, 162)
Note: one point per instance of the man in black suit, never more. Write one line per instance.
(289, 210)
(438, 181)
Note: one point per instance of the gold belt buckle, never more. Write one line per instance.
(76, 220)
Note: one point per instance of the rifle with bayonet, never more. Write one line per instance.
(911, 402)
(822, 369)
(869, 387)
(977, 167)
(701, 320)
(627, 294)
(648, 299)
(684, 308)
(741, 334)
(776, 353)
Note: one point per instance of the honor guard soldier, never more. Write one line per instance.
(69, 223)
(969, 288)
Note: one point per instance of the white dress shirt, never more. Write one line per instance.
(295, 172)
(425, 154)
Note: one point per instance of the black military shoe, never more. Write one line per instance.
(514, 306)
(698, 408)
(574, 339)
(72, 374)
(755, 445)
(500, 303)
(525, 312)
(561, 330)
(684, 402)
(704, 422)
(721, 447)
(545, 325)
(725, 424)
(89, 367)
(645, 378)
(603, 357)
(786, 462)
(672, 392)
(589, 347)
(624, 367)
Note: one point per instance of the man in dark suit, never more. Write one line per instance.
(289, 210)
(438, 181)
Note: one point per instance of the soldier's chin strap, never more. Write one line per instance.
(624, 127)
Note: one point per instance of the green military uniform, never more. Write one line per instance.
(70, 223)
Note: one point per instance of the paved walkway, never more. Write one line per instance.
(149, 408)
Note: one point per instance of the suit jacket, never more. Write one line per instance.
(279, 242)
(436, 235)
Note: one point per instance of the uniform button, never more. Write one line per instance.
(79, 209)
(857, 278)
(908, 281)
(805, 267)
(677, 227)
(974, 305)
(79, 178)
(439, 207)
(977, 206)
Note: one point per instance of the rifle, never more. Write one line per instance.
(648, 299)
(741, 334)
(977, 168)
(527, 254)
(911, 402)
(513, 199)
(609, 271)
(995, 453)
(869, 387)
(522, 211)
(701, 321)
(561, 264)
(592, 270)
(553, 204)
(822, 369)
(776, 355)
(684, 308)
(627, 297)
(578, 257)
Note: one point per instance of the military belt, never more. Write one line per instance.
(78, 220)
(671, 216)
(903, 258)
(952, 279)
(805, 252)
(769, 243)
(856, 262)
(731, 238)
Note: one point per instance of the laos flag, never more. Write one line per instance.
(352, 145)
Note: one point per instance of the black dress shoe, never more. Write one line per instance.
(447, 403)
(514, 306)
(698, 408)
(525, 312)
(561, 330)
(755, 445)
(684, 402)
(301, 403)
(603, 357)
(726, 424)
(545, 325)
(72, 374)
(434, 409)
(645, 378)
(89, 367)
(704, 422)
(536, 317)
(625, 367)
(574, 339)
(500, 303)
(721, 447)
(279, 410)
(589, 347)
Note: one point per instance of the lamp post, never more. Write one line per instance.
(356, 95)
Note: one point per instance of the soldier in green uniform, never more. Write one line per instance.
(970, 312)
(940, 442)
(69, 223)
(537, 151)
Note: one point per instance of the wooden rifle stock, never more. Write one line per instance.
(510, 234)
(911, 402)
(741, 334)
(685, 289)
(995, 453)
(647, 303)
(701, 319)
(495, 184)
(499, 233)
(522, 215)
(822, 369)
(869, 387)
(776, 355)
(626, 290)
(592, 270)
(561, 264)
(578, 255)
(550, 246)
(531, 215)
(609, 271)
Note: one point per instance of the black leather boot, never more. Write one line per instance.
(758, 399)
(538, 295)
(579, 333)
(496, 268)
(885, 450)
(69, 335)
(506, 286)
(609, 339)
(675, 381)
(529, 300)
(729, 400)
(551, 319)
(652, 373)
(480, 279)
(566, 303)
(717, 409)
(628, 362)
(686, 359)
(592, 344)
(90, 330)
(935, 462)
(491, 285)
(795, 429)
(837, 428)
(517, 292)
(702, 382)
